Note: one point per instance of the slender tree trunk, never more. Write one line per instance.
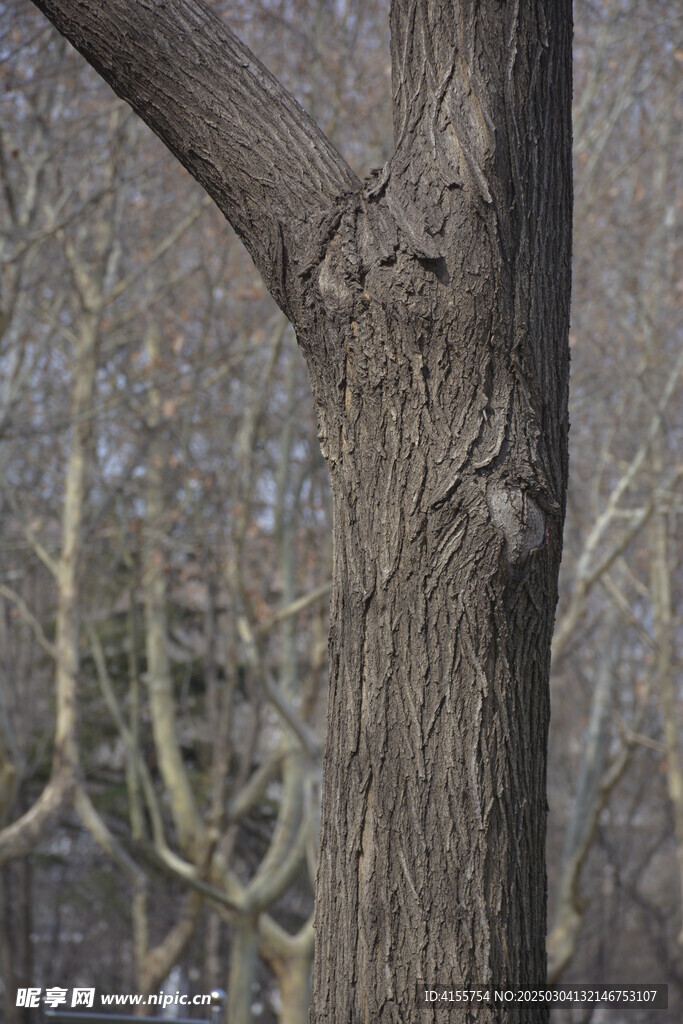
(7, 969)
(591, 795)
(242, 975)
(295, 991)
(158, 677)
(67, 631)
(289, 957)
(432, 304)
(662, 613)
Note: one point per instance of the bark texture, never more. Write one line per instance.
(431, 303)
(445, 291)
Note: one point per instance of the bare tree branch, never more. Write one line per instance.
(260, 157)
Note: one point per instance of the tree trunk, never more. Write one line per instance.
(242, 976)
(431, 303)
(159, 680)
(446, 287)
(12, 1014)
(295, 991)
(591, 795)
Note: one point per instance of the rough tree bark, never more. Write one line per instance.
(431, 303)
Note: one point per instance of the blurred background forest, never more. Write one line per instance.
(165, 533)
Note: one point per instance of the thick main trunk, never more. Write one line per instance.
(432, 865)
(442, 400)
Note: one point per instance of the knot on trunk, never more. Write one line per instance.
(332, 282)
(519, 519)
